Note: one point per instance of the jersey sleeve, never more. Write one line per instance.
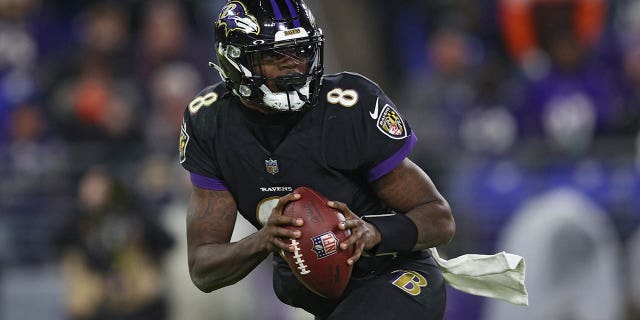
(371, 136)
(196, 144)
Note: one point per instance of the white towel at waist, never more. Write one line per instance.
(499, 276)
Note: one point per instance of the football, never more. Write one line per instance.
(318, 262)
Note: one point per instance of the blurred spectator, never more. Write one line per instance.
(565, 239)
(100, 115)
(628, 34)
(171, 86)
(102, 44)
(112, 251)
(165, 37)
(92, 97)
(573, 100)
(160, 183)
(415, 21)
(526, 23)
(34, 184)
(104, 36)
(629, 119)
(491, 130)
(437, 99)
(18, 57)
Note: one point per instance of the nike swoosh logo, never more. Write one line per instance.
(374, 114)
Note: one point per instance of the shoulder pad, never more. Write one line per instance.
(207, 97)
(353, 79)
(349, 90)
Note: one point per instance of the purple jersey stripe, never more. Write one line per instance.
(390, 163)
(292, 11)
(276, 10)
(207, 183)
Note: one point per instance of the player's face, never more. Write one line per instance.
(281, 62)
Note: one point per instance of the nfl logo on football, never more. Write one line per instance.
(325, 244)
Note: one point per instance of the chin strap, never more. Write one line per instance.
(303, 97)
(284, 101)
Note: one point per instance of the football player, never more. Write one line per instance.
(277, 122)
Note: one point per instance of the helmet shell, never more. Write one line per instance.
(246, 28)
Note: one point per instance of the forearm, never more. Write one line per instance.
(214, 262)
(213, 266)
(409, 191)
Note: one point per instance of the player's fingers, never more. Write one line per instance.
(282, 244)
(348, 224)
(357, 254)
(280, 220)
(286, 233)
(356, 235)
(341, 206)
(352, 219)
(282, 202)
(348, 214)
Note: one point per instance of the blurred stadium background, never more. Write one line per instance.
(527, 111)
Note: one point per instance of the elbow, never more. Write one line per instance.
(201, 285)
(203, 280)
(448, 230)
(447, 225)
(199, 280)
(205, 283)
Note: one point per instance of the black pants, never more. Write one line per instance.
(409, 287)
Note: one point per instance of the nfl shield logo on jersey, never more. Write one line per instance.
(271, 165)
(325, 244)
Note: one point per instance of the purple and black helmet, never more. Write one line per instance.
(249, 32)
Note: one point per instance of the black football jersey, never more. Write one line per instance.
(353, 136)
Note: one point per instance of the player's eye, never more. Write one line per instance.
(299, 54)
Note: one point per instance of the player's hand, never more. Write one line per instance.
(274, 234)
(364, 235)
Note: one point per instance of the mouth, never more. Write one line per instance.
(290, 82)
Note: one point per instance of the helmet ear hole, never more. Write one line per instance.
(249, 32)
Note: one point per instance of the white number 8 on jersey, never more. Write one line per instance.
(346, 98)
